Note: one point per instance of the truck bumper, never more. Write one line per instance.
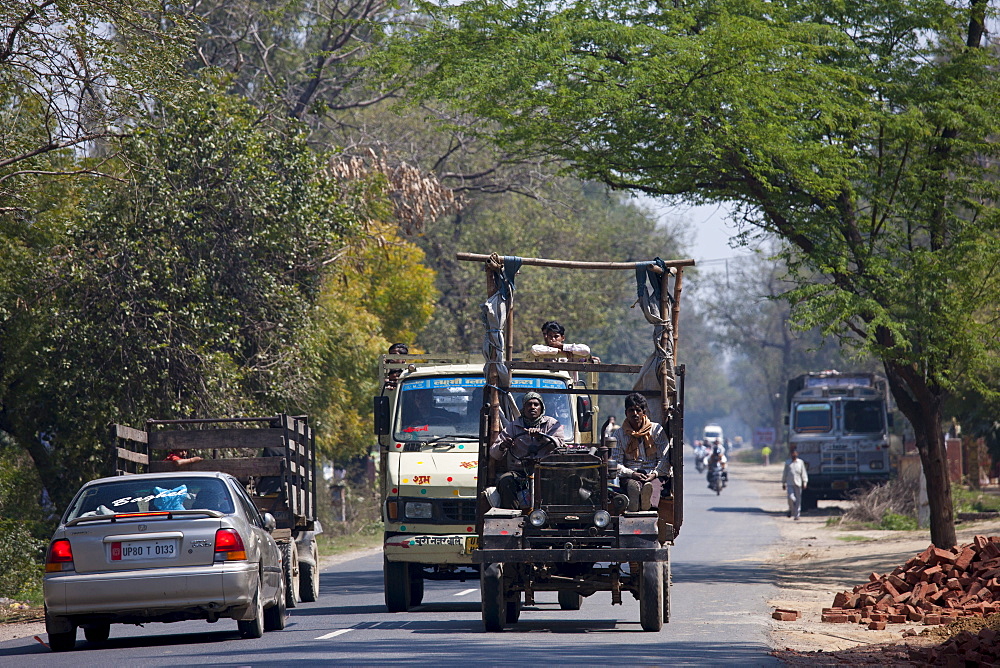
(619, 555)
(430, 548)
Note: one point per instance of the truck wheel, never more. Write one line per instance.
(309, 577)
(416, 585)
(514, 609)
(62, 640)
(809, 501)
(570, 600)
(667, 582)
(492, 594)
(274, 617)
(254, 628)
(97, 632)
(290, 565)
(396, 582)
(651, 596)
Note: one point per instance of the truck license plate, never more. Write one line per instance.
(144, 550)
(471, 543)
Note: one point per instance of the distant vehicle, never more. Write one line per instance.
(713, 433)
(839, 423)
(162, 547)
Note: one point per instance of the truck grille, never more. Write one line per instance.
(839, 462)
(458, 510)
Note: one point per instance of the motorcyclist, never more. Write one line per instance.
(717, 462)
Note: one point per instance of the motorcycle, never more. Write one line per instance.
(700, 454)
(716, 479)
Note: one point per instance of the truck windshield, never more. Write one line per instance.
(449, 406)
(862, 417)
(813, 418)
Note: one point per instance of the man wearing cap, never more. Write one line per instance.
(522, 438)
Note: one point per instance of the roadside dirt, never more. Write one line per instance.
(814, 562)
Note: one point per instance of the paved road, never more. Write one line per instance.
(719, 615)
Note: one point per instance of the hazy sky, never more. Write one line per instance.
(708, 231)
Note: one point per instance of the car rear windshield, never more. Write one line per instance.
(449, 406)
(129, 495)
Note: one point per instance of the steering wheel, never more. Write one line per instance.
(547, 442)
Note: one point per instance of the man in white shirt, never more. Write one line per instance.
(556, 346)
(794, 479)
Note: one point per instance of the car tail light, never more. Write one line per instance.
(229, 546)
(392, 510)
(59, 557)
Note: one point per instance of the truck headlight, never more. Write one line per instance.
(602, 518)
(418, 510)
(875, 465)
(538, 518)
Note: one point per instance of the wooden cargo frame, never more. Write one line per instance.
(290, 439)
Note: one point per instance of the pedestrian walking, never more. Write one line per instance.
(794, 479)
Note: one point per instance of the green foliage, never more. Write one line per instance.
(896, 522)
(973, 501)
(21, 556)
(188, 291)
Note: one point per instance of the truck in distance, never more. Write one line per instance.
(839, 423)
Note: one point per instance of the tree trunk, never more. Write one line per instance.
(921, 404)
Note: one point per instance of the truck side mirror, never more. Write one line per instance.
(892, 420)
(584, 413)
(786, 420)
(380, 409)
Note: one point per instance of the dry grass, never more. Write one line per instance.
(898, 496)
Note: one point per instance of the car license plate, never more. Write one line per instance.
(471, 543)
(143, 550)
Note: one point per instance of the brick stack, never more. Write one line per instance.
(934, 587)
(982, 649)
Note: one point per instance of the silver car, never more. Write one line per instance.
(162, 548)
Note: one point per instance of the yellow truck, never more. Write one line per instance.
(429, 423)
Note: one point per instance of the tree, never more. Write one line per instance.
(861, 133)
(190, 291)
(76, 75)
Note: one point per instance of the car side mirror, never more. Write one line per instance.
(380, 409)
(584, 413)
(270, 524)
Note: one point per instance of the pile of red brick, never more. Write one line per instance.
(982, 649)
(935, 587)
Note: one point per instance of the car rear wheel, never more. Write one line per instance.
(651, 596)
(274, 617)
(396, 582)
(254, 628)
(309, 577)
(290, 565)
(97, 632)
(62, 640)
(570, 600)
(492, 594)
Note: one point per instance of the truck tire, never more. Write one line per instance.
(651, 596)
(570, 600)
(809, 500)
(274, 617)
(416, 585)
(514, 609)
(309, 577)
(290, 566)
(491, 592)
(667, 582)
(396, 582)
